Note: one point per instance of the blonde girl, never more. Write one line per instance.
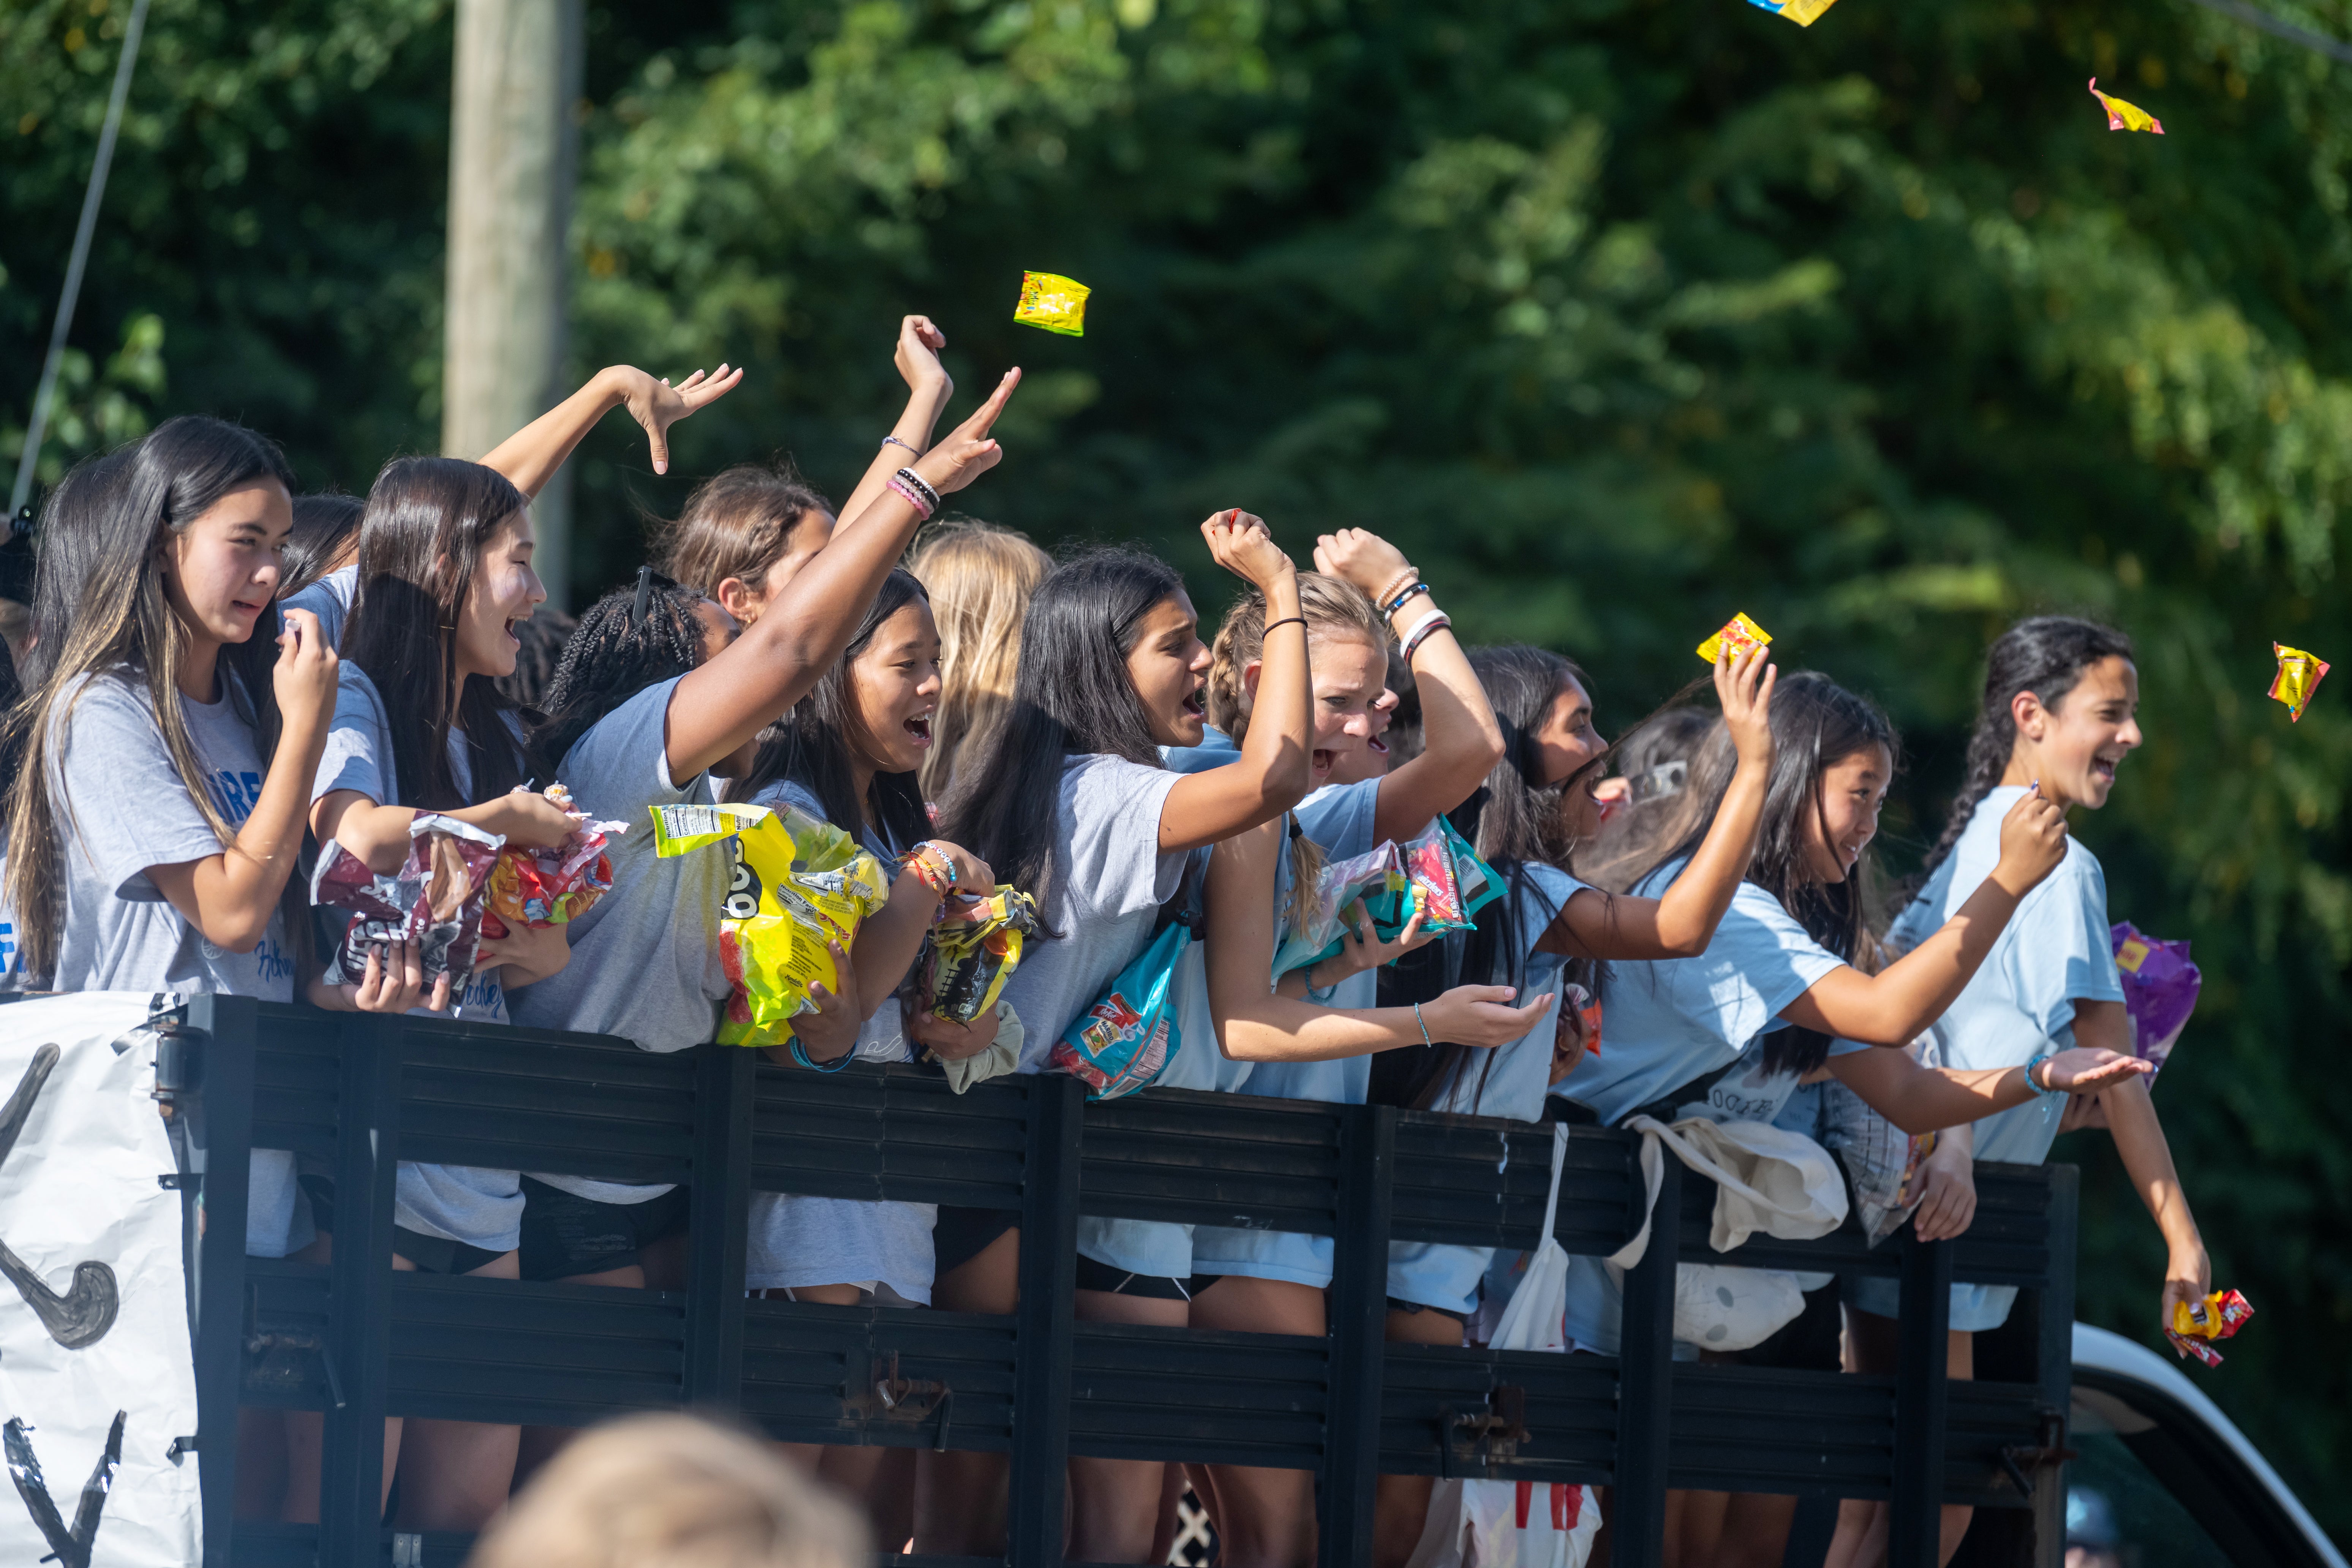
(979, 577)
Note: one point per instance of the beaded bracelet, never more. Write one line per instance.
(1435, 621)
(1401, 600)
(1409, 574)
(922, 486)
(940, 858)
(2038, 1058)
(922, 508)
(1424, 1024)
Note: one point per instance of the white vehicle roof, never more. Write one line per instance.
(2118, 1357)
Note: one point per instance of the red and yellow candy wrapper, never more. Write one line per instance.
(1054, 302)
(1738, 633)
(2298, 677)
(552, 887)
(435, 899)
(798, 883)
(973, 950)
(2122, 116)
(2195, 1324)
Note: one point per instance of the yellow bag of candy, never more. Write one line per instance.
(798, 883)
(973, 951)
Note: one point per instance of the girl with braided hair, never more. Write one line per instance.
(2058, 718)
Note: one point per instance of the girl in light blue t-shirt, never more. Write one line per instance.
(2058, 719)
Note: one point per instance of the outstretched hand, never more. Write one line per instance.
(657, 406)
(2084, 1069)
(966, 452)
(1743, 684)
(1481, 1016)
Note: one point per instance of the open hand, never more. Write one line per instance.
(527, 954)
(966, 452)
(2086, 1069)
(657, 406)
(1481, 1016)
(1743, 684)
(393, 981)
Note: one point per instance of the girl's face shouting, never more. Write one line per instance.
(221, 570)
(2072, 750)
(504, 592)
(1169, 667)
(1852, 789)
(1347, 673)
(894, 689)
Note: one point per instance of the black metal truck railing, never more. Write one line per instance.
(361, 1342)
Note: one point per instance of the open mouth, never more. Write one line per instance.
(1194, 706)
(2103, 769)
(1322, 759)
(242, 608)
(1377, 746)
(918, 729)
(511, 636)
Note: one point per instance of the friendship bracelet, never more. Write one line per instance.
(1417, 1019)
(1436, 621)
(1411, 574)
(799, 1054)
(1401, 600)
(945, 861)
(2039, 1058)
(922, 486)
(894, 441)
(922, 508)
(1286, 620)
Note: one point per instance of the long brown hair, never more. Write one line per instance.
(428, 521)
(736, 524)
(123, 627)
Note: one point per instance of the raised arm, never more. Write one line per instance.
(724, 702)
(1894, 1006)
(1272, 774)
(1462, 741)
(1600, 925)
(1922, 1099)
(531, 455)
(230, 896)
(1254, 1024)
(927, 390)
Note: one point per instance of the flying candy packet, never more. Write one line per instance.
(1804, 13)
(973, 950)
(1379, 870)
(2122, 116)
(2195, 1324)
(1739, 633)
(798, 883)
(2298, 677)
(2160, 988)
(551, 886)
(435, 899)
(1054, 302)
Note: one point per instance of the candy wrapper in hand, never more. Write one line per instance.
(1376, 871)
(2195, 1324)
(1740, 633)
(552, 887)
(435, 899)
(2160, 988)
(2298, 677)
(1446, 884)
(798, 882)
(973, 950)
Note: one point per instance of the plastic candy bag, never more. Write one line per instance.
(1054, 302)
(1445, 883)
(2122, 116)
(1739, 633)
(799, 882)
(435, 900)
(2160, 988)
(552, 887)
(1804, 13)
(973, 950)
(1376, 871)
(2195, 1324)
(2298, 677)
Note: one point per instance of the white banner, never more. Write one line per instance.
(97, 1379)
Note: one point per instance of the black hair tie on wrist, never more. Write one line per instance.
(1284, 622)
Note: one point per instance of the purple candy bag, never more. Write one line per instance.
(2160, 990)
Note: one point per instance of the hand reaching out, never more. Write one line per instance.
(1743, 684)
(1242, 544)
(657, 406)
(967, 452)
(1481, 1016)
(2084, 1069)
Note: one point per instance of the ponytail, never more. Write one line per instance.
(2045, 655)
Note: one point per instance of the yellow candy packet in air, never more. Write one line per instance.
(798, 882)
(2298, 677)
(1739, 632)
(1054, 302)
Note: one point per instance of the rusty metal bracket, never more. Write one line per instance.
(2018, 1460)
(1484, 1438)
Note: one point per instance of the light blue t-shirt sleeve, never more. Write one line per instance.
(1339, 817)
(2059, 950)
(1761, 961)
(358, 755)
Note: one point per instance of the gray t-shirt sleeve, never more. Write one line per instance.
(127, 807)
(358, 755)
(1110, 823)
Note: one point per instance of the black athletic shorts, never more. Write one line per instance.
(961, 1234)
(432, 1254)
(564, 1234)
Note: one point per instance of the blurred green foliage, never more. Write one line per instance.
(1619, 315)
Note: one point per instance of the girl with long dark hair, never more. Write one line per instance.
(2058, 716)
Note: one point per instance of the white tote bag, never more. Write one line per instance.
(1518, 1524)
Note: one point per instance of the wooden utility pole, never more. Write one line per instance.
(513, 157)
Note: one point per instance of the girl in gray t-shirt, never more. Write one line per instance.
(156, 822)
